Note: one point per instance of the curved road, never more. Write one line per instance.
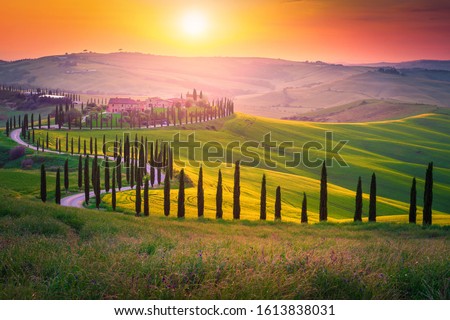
(75, 200)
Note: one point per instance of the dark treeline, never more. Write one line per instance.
(140, 181)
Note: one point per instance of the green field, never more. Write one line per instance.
(50, 252)
(395, 150)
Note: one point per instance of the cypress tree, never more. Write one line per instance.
(119, 172)
(138, 195)
(200, 194)
(97, 188)
(304, 218)
(86, 180)
(237, 192)
(113, 191)
(428, 196)
(373, 199)
(278, 204)
(263, 200)
(39, 121)
(80, 173)
(152, 175)
(358, 202)
(132, 175)
(48, 121)
(58, 188)
(107, 176)
(43, 184)
(66, 175)
(166, 195)
(181, 208)
(219, 197)
(146, 199)
(413, 202)
(323, 207)
(67, 142)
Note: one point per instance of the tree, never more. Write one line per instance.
(97, 187)
(428, 196)
(237, 192)
(219, 197)
(263, 200)
(146, 199)
(107, 179)
(119, 172)
(278, 204)
(323, 210)
(80, 173)
(166, 195)
(86, 180)
(358, 202)
(43, 184)
(304, 218)
(373, 199)
(200, 194)
(58, 188)
(194, 95)
(138, 195)
(113, 191)
(413, 202)
(66, 175)
(181, 205)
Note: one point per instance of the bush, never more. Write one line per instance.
(16, 152)
(27, 163)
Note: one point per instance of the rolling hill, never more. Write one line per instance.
(259, 86)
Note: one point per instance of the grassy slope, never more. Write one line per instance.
(395, 150)
(49, 252)
(368, 111)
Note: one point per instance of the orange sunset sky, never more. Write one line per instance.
(350, 31)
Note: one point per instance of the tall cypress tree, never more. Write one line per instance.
(97, 188)
(107, 179)
(304, 218)
(80, 173)
(219, 196)
(43, 184)
(263, 200)
(166, 195)
(138, 195)
(181, 204)
(58, 188)
(413, 202)
(66, 175)
(146, 195)
(428, 196)
(323, 206)
(200, 194)
(358, 202)
(86, 180)
(237, 192)
(113, 191)
(119, 172)
(373, 199)
(278, 204)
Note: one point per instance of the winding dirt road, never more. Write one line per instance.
(75, 200)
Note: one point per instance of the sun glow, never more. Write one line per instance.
(194, 23)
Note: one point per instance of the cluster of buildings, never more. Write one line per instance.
(127, 104)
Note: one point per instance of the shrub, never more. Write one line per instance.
(27, 163)
(16, 152)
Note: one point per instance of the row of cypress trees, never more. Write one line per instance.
(144, 180)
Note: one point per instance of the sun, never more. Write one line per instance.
(194, 23)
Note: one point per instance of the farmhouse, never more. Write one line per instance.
(159, 103)
(124, 104)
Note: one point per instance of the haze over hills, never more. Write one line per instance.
(261, 86)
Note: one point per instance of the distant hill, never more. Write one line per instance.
(367, 111)
(267, 87)
(417, 64)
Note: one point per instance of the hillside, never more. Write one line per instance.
(395, 150)
(266, 87)
(368, 111)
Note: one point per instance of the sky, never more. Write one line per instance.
(342, 31)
